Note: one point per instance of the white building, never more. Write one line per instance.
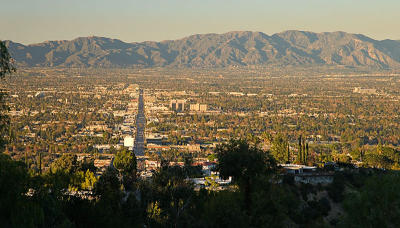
(198, 107)
(298, 169)
(129, 142)
(364, 91)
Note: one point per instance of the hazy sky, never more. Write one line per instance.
(32, 21)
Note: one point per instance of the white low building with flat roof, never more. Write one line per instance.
(129, 141)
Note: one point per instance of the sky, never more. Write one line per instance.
(34, 21)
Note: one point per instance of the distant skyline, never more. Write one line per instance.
(34, 21)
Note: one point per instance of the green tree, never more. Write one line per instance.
(273, 204)
(245, 164)
(125, 162)
(223, 209)
(169, 196)
(66, 163)
(211, 183)
(376, 204)
(108, 186)
(6, 67)
(300, 153)
(307, 153)
(16, 209)
(87, 164)
(279, 149)
(90, 181)
(108, 191)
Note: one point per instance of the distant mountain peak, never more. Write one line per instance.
(236, 48)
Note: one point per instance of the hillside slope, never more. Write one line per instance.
(215, 50)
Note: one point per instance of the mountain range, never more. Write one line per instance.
(243, 48)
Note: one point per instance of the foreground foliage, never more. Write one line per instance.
(366, 197)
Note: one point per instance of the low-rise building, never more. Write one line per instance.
(129, 142)
(307, 174)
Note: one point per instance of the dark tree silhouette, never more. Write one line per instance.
(6, 67)
(245, 164)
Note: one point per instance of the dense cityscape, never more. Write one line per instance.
(203, 114)
(89, 112)
(320, 130)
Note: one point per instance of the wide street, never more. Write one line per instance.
(140, 126)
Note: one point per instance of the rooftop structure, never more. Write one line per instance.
(298, 169)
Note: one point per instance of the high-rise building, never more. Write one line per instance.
(198, 107)
(181, 106)
(177, 105)
(194, 107)
(173, 106)
(203, 108)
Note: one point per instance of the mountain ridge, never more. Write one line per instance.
(236, 48)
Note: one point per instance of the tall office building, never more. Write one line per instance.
(198, 107)
(177, 105)
(194, 107)
(203, 108)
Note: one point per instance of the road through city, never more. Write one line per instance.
(140, 126)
